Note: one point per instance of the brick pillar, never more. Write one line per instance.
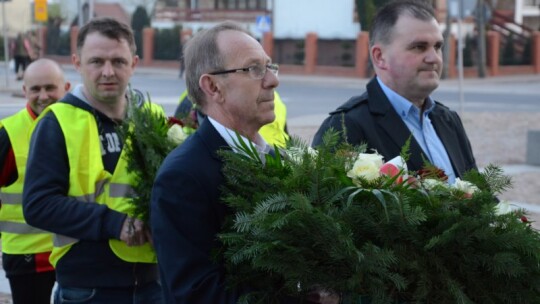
(536, 52)
(310, 61)
(452, 68)
(493, 48)
(148, 45)
(362, 54)
(185, 34)
(73, 39)
(268, 44)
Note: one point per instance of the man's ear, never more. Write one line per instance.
(135, 61)
(76, 61)
(377, 57)
(209, 86)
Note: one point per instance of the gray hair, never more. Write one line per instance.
(202, 55)
(386, 18)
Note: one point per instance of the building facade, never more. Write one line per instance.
(19, 16)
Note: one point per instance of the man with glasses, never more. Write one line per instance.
(232, 81)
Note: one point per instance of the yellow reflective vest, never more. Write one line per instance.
(90, 182)
(17, 236)
(274, 132)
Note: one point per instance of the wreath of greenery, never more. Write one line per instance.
(300, 222)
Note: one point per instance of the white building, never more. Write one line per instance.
(329, 19)
(18, 16)
(70, 8)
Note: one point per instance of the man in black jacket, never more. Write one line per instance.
(405, 49)
(232, 80)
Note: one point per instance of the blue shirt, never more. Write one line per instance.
(421, 128)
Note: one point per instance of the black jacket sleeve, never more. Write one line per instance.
(8, 168)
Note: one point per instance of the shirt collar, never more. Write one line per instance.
(78, 92)
(30, 111)
(231, 138)
(403, 106)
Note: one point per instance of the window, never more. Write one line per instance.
(240, 4)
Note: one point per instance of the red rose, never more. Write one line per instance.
(174, 121)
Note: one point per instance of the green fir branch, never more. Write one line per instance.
(300, 222)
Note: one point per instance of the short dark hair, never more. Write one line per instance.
(109, 28)
(387, 16)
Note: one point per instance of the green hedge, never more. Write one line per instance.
(167, 43)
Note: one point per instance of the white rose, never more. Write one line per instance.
(366, 166)
(430, 184)
(296, 154)
(465, 186)
(503, 207)
(176, 134)
(312, 152)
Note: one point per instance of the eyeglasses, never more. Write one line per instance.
(255, 71)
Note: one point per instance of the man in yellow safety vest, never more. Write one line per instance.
(26, 249)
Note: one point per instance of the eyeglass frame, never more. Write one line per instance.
(273, 67)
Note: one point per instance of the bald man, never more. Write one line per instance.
(25, 249)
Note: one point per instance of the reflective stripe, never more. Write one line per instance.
(115, 190)
(19, 228)
(11, 198)
(91, 197)
(62, 240)
(100, 187)
(121, 190)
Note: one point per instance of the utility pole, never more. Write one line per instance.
(481, 39)
(446, 35)
(460, 5)
(80, 19)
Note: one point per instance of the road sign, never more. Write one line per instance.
(461, 8)
(263, 23)
(40, 10)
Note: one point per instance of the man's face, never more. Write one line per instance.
(245, 100)
(44, 85)
(106, 66)
(411, 63)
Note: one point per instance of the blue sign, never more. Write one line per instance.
(263, 23)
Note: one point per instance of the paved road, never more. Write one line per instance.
(307, 96)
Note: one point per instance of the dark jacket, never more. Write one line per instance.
(187, 213)
(370, 118)
(186, 216)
